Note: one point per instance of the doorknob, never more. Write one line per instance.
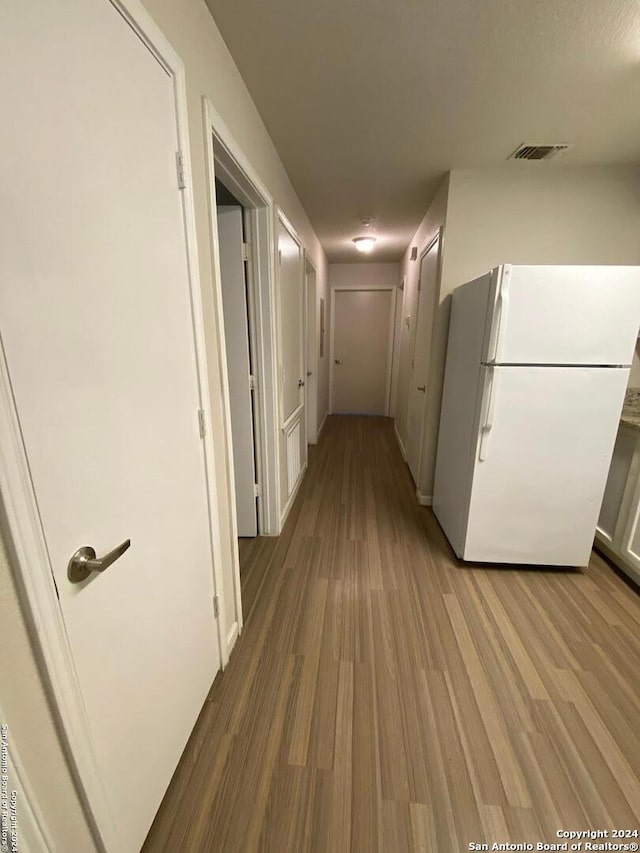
(422, 388)
(84, 561)
(338, 360)
(300, 383)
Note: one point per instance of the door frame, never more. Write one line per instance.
(20, 518)
(390, 338)
(424, 500)
(227, 161)
(311, 335)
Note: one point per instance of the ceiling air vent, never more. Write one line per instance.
(538, 152)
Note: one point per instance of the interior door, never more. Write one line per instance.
(362, 328)
(311, 386)
(419, 383)
(97, 331)
(292, 315)
(236, 331)
(539, 473)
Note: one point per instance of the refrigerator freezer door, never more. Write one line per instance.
(565, 315)
(536, 495)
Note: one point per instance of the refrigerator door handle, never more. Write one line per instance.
(489, 412)
(500, 317)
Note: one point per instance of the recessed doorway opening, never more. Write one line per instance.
(242, 240)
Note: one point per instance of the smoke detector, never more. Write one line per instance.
(529, 151)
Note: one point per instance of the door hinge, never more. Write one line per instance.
(246, 252)
(257, 491)
(202, 424)
(252, 382)
(216, 606)
(180, 169)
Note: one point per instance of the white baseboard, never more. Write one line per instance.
(424, 500)
(399, 440)
(321, 427)
(232, 636)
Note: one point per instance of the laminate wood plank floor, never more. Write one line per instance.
(255, 559)
(385, 697)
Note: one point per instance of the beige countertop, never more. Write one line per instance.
(631, 409)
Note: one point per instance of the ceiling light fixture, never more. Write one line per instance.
(364, 244)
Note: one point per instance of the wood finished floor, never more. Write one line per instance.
(383, 697)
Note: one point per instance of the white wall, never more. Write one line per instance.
(210, 71)
(529, 213)
(366, 274)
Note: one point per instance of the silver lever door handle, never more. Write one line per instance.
(338, 360)
(84, 561)
(422, 388)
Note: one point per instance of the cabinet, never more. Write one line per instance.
(618, 530)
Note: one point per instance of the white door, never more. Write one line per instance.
(419, 382)
(566, 315)
(97, 330)
(362, 344)
(292, 317)
(311, 382)
(292, 353)
(236, 332)
(540, 471)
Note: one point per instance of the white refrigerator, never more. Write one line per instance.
(538, 360)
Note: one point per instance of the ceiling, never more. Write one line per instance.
(370, 102)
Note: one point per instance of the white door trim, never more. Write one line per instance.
(21, 520)
(390, 342)
(227, 161)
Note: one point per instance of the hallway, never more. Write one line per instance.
(384, 698)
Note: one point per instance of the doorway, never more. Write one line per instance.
(239, 337)
(421, 361)
(362, 328)
(227, 162)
